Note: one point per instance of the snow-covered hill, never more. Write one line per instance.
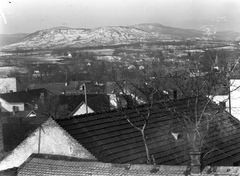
(103, 36)
(60, 37)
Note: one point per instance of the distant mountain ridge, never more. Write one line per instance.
(59, 37)
(7, 39)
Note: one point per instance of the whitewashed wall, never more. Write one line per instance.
(50, 138)
(7, 84)
(8, 107)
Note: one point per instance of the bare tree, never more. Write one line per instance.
(196, 86)
(142, 130)
(52, 107)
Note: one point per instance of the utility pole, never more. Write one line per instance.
(85, 93)
(229, 96)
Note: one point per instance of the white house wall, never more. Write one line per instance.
(8, 107)
(234, 98)
(82, 110)
(7, 84)
(49, 138)
(221, 98)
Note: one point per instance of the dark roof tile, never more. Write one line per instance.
(111, 138)
(97, 102)
(28, 96)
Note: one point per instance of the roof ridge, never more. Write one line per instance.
(126, 108)
(80, 162)
(103, 112)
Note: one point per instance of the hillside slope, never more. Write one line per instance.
(61, 37)
(103, 36)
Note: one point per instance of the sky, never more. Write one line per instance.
(27, 16)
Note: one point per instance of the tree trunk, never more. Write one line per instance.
(146, 147)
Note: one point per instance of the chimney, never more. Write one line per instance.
(175, 94)
(15, 109)
(195, 164)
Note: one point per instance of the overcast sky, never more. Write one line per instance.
(26, 16)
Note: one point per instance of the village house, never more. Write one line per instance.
(26, 100)
(70, 87)
(109, 137)
(81, 104)
(47, 138)
(10, 85)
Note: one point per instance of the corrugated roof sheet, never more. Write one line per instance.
(112, 139)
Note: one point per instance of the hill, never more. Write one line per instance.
(61, 37)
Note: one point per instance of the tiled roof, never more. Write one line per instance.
(221, 170)
(48, 166)
(23, 113)
(57, 88)
(71, 87)
(23, 96)
(9, 172)
(111, 138)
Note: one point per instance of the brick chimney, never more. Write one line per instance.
(195, 164)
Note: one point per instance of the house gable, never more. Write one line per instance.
(76, 103)
(49, 138)
(81, 109)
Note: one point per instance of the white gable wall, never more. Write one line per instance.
(82, 110)
(49, 138)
